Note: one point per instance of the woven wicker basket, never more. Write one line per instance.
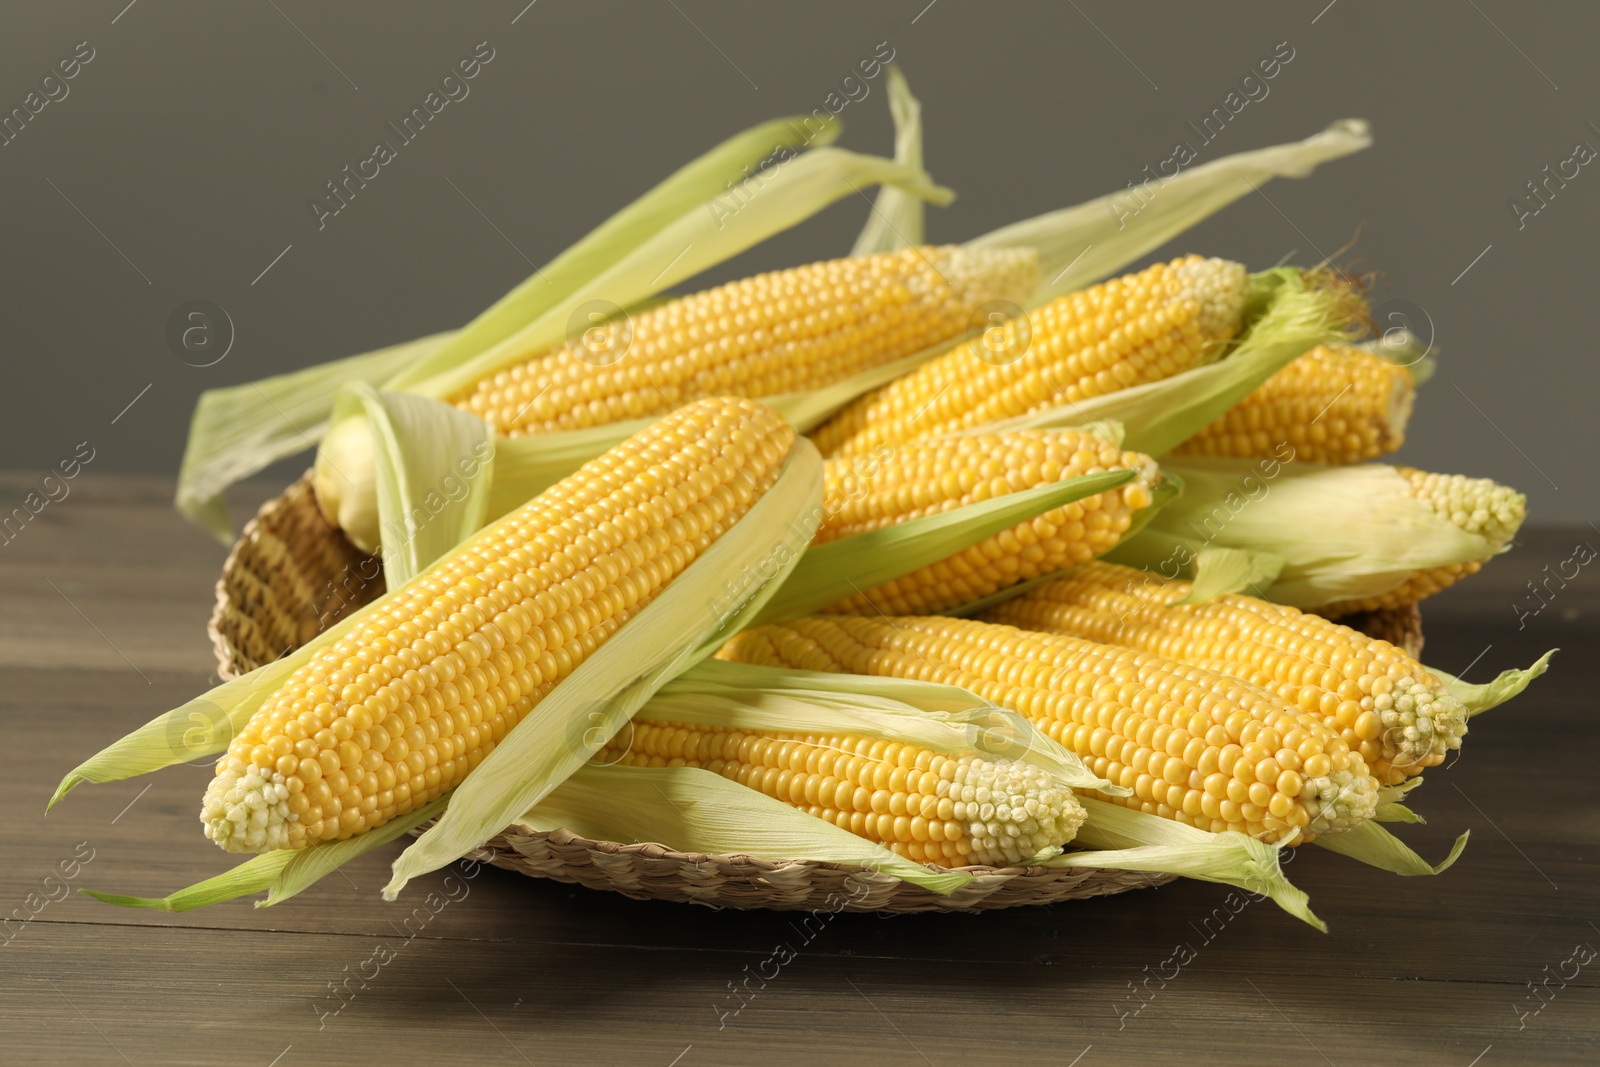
(292, 574)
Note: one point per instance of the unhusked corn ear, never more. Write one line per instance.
(1334, 405)
(1134, 329)
(783, 332)
(398, 711)
(1477, 505)
(920, 478)
(1193, 745)
(1385, 705)
(956, 811)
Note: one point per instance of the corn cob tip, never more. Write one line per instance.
(951, 810)
(1384, 704)
(1222, 288)
(1421, 723)
(1339, 800)
(401, 708)
(972, 277)
(1011, 811)
(248, 812)
(1479, 506)
(344, 481)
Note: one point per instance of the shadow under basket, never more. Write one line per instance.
(292, 575)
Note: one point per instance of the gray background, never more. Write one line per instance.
(194, 139)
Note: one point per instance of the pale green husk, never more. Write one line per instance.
(236, 432)
(730, 678)
(199, 727)
(1080, 245)
(685, 191)
(527, 466)
(1397, 812)
(281, 874)
(1230, 570)
(1340, 533)
(1129, 840)
(241, 429)
(692, 810)
(896, 221)
(748, 697)
(1371, 844)
(1390, 794)
(1481, 698)
(1291, 314)
(422, 453)
(833, 571)
(696, 241)
(683, 624)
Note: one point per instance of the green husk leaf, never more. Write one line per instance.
(1390, 794)
(683, 624)
(1129, 840)
(1371, 844)
(1218, 571)
(254, 875)
(838, 569)
(783, 701)
(685, 190)
(206, 724)
(242, 429)
(701, 238)
(315, 862)
(1481, 698)
(1158, 416)
(1397, 812)
(693, 810)
(730, 679)
(282, 873)
(195, 729)
(1080, 245)
(1343, 532)
(430, 467)
(896, 221)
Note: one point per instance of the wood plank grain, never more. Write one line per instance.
(1430, 970)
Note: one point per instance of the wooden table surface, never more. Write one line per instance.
(106, 594)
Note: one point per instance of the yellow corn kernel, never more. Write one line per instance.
(955, 811)
(924, 478)
(1130, 715)
(428, 681)
(1381, 702)
(1335, 405)
(1134, 329)
(784, 332)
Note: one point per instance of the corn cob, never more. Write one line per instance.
(1477, 505)
(1334, 405)
(397, 712)
(1193, 745)
(955, 811)
(1138, 328)
(928, 477)
(783, 332)
(1385, 705)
